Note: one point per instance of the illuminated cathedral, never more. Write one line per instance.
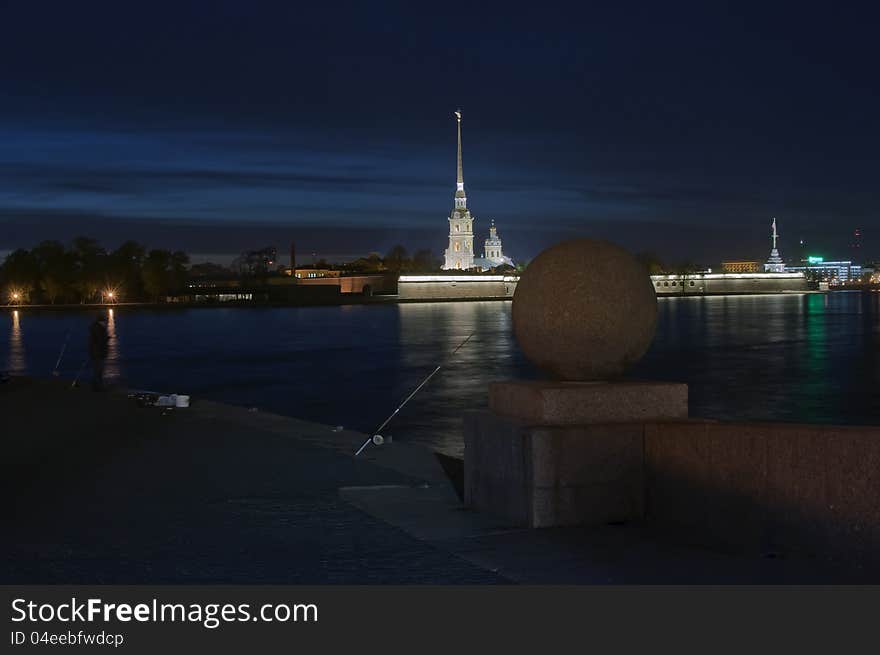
(460, 253)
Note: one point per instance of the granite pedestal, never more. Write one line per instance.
(552, 453)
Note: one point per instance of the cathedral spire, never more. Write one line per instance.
(459, 186)
(460, 253)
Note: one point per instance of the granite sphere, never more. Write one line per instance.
(584, 310)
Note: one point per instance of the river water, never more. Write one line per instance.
(811, 358)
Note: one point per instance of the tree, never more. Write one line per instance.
(124, 270)
(164, 272)
(208, 270)
(20, 273)
(423, 261)
(155, 273)
(179, 275)
(91, 267)
(370, 264)
(397, 260)
(57, 267)
(651, 262)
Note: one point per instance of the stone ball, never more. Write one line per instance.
(584, 310)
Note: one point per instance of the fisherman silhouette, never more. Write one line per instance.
(98, 339)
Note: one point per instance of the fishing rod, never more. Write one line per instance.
(376, 437)
(81, 369)
(55, 372)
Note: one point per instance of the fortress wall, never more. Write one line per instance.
(452, 289)
(671, 285)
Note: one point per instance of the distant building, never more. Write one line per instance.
(834, 272)
(774, 263)
(740, 267)
(307, 273)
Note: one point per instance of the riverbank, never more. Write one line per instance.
(354, 299)
(245, 304)
(98, 489)
(172, 306)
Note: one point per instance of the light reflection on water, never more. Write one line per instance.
(111, 370)
(788, 357)
(15, 360)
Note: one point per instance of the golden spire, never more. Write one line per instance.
(460, 180)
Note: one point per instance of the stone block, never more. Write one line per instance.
(545, 402)
(587, 504)
(494, 466)
(771, 487)
(677, 474)
(577, 455)
(541, 476)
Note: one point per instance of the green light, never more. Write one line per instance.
(815, 260)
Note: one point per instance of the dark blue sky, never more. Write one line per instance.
(221, 126)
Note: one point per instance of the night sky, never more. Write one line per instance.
(221, 126)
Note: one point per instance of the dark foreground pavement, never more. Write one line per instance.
(102, 491)
(99, 490)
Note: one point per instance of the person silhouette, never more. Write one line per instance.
(98, 340)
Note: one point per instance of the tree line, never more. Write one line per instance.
(85, 272)
(656, 266)
(396, 260)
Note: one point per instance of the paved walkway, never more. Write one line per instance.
(99, 490)
(120, 494)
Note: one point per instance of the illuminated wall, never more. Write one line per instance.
(464, 287)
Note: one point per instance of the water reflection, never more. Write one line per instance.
(111, 369)
(786, 357)
(812, 373)
(16, 362)
(429, 335)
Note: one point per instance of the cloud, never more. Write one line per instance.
(344, 191)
